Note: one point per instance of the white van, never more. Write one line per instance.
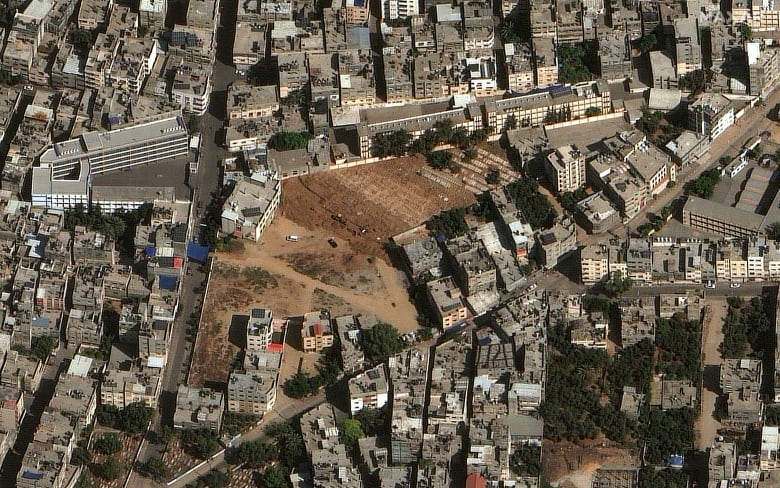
(292, 238)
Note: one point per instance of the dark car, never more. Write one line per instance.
(332, 242)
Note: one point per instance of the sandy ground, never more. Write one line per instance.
(570, 465)
(303, 276)
(712, 336)
(382, 198)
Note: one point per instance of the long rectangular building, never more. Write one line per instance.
(119, 149)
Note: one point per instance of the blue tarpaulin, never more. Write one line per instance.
(167, 282)
(149, 251)
(197, 252)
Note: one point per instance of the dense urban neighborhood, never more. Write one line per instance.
(389, 244)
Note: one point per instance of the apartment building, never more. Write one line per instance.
(688, 53)
(711, 114)
(245, 101)
(121, 388)
(317, 331)
(356, 77)
(447, 302)
(251, 206)
(763, 68)
(545, 62)
(369, 389)
(191, 89)
(21, 372)
(519, 66)
(594, 264)
(474, 270)
(399, 9)
(731, 263)
(331, 467)
(555, 244)
(260, 329)
(252, 392)
(198, 408)
(422, 256)
(565, 168)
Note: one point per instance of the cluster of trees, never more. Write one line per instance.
(380, 342)
(7, 79)
(108, 444)
(526, 461)
(235, 423)
(155, 468)
(303, 384)
(573, 67)
(693, 81)
(536, 209)
(592, 111)
(679, 348)
(450, 223)
(82, 39)
(40, 347)
(669, 432)
(554, 116)
(745, 324)
(704, 185)
(119, 227)
(493, 177)
(213, 479)
(199, 443)
(656, 223)
(648, 42)
(399, 143)
(632, 367)
(285, 141)
(442, 160)
(618, 284)
(772, 415)
(134, 418)
(650, 121)
(663, 478)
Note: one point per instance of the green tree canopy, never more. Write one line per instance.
(372, 421)
(110, 469)
(380, 342)
(275, 477)
(201, 443)
(108, 443)
(773, 231)
(301, 385)
(155, 468)
(285, 141)
(648, 42)
(255, 454)
(215, 479)
(351, 431)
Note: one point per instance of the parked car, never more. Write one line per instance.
(332, 242)
(292, 238)
(735, 285)
(710, 284)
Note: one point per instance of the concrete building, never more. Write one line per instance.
(447, 302)
(545, 62)
(119, 149)
(368, 390)
(198, 408)
(687, 45)
(260, 329)
(422, 256)
(594, 264)
(637, 321)
(399, 9)
(245, 101)
(555, 244)
(687, 148)
(720, 219)
(763, 69)
(253, 393)
(615, 56)
(331, 467)
(121, 388)
(520, 66)
(251, 206)
(191, 89)
(317, 332)
(597, 214)
(710, 115)
(565, 168)
(473, 268)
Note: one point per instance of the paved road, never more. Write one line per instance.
(720, 290)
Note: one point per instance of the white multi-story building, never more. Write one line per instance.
(251, 206)
(399, 9)
(368, 390)
(565, 167)
(191, 89)
(711, 115)
(260, 329)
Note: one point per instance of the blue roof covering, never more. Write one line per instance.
(675, 460)
(359, 3)
(114, 120)
(32, 475)
(150, 251)
(168, 282)
(197, 252)
(40, 322)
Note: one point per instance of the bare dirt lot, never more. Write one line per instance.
(572, 465)
(712, 336)
(383, 198)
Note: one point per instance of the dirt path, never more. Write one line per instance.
(712, 336)
(390, 303)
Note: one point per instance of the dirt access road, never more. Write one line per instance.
(712, 336)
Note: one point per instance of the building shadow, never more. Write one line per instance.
(237, 330)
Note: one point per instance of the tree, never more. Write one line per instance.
(108, 415)
(570, 199)
(81, 457)
(216, 478)
(439, 159)
(200, 443)
(534, 206)
(773, 231)
(380, 342)
(81, 37)
(108, 444)
(508, 32)
(110, 469)
(450, 223)
(592, 111)
(301, 385)
(42, 347)
(745, 32)
(391, 143)
(155, 468)
(572, 63)
(235, 423)
(274, 477)
(648, 42)
(255, 454)
(511, 122)
(704, 185)
(493, 177)
(618, 284)
(135, 417)
(351, 432)
(372, 421)
(285, 141)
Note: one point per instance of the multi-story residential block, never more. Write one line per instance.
(253, 393)
(740, 380)
(596, 213)
(21, 372)
(249, 47)
(711, 114)
(152, 13)
(448, 387)
(555, 244)
(637, 321)
(447, 302)
(191, 89)
(688, 53)
(474, 270)
(198, 408)
(615, 56)
(408, 375)
(317, 332)
(565, 168)
(731, 262)
(251, 206)
(399, 9)
(260, 329)
(245, 101)
(422, 256)
(369, 389)
(763, 69)
(84, 327)
(687, 148)
(331, 466)
(594, 264)
(93, 13)
(691, 304)
(545, 62)
(520, 66)
(356, 77)
(352, 357)
(121, 388)
(292, 73)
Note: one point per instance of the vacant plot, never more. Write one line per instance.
(376, 201)
(573, 465)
